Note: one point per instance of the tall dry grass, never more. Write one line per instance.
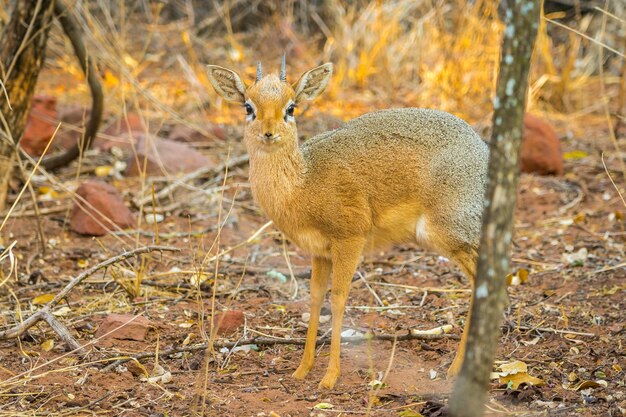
(424, 53)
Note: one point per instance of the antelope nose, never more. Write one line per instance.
(269, 135)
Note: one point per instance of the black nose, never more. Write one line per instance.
(268, 134)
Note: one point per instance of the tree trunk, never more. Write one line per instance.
(22, 51)
(470, 390)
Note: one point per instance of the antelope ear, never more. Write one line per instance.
(313, 82)
(227, 83)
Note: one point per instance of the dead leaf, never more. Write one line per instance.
(188, 339)
(573, 155)
(48, 192)
(376, 384)
(323, 406)
(43, 299)
(103, 170)
(586, 384)
(47, 345)
(520, 277)
(515, 380)
(63, 311)
(512, 368)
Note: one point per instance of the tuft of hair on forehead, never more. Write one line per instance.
(270, 88)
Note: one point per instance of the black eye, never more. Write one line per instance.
(290, 110)
(249, 109)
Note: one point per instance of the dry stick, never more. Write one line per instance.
(45, 313)
(548, 330)
(411, 334)
(72, 31)
(609, 268)
(33, 196)
(613, 182)
(232, 163)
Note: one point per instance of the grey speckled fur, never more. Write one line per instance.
(429, 154)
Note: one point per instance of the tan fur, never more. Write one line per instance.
(388, 177)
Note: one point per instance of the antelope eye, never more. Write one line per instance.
(249, 109)
(290, 110)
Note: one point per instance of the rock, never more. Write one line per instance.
(40, 125)
(131, 123)
(72, 117)
(229, 321)
(133, 327)
(182, 133)
(121, 133)
(164, 157)
(108, 210)
(541, 149)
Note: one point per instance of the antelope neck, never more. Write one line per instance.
(275, 175)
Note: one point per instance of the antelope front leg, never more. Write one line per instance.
(345, 257)
(320, 272)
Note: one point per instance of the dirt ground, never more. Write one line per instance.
(566, 322)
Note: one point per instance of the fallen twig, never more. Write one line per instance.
(74, 410)
(609, 268)
(71, 28)
(549, 330)
(412, 334)
(45, 313)
(231, 163)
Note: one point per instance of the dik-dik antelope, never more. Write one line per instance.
(387, 177)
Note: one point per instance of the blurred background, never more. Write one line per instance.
(425, 53)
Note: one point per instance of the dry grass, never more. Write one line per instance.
(423, 53)
(418, 53)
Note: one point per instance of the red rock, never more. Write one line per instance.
(182, 133)
(164, 157)
(121, 133)
(131, 327)
(73, 121)
(541, 148)
(130, 123)
(105, 210)
(40, 125)
(229, 321)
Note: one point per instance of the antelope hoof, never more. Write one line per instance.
(301, 372)
(329, 380)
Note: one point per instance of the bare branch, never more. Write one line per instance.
(411, 334)
(45, 313)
